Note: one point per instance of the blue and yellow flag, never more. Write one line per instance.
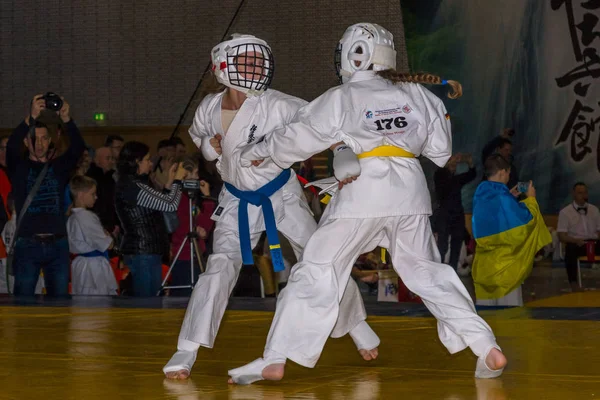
(508, 233)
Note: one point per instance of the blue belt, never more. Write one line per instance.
(257, 198)
(95, 253)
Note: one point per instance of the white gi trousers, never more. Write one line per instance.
(211, 293)
(309, 306)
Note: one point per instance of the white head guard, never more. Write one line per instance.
(361, 46)
(244, 63)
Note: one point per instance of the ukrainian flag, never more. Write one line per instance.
(508, 233)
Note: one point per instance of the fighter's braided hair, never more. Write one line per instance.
(428, 79)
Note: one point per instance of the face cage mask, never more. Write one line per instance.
(238, 59)
(337, 61)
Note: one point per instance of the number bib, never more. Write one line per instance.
(393, 121)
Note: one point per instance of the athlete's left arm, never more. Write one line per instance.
(315, 128)
(438, 147)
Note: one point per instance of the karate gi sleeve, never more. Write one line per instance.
(438, 147)
(94, 234)
(314, 129)
(201, 136)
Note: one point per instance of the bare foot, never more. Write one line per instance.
(369, 355)
(495, 360)
(273, 372)
(182, 374)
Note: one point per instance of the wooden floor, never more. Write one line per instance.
(118, 353)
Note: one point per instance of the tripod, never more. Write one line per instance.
(192, 240)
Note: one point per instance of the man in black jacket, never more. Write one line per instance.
(450, 216)
(41, 240)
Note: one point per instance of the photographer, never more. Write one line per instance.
(203, 209)
(140, 208)
(41, 238)
(450, 215)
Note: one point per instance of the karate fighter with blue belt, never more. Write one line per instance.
(265, 197)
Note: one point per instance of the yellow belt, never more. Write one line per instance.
(381, 151)
(387, 151)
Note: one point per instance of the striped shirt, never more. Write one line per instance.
(153, 199)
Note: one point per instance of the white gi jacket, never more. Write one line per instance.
(367, 112)
(257, 116)
(89, 275)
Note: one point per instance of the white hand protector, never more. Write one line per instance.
(208, 152)
(345, 163)
(255, 152)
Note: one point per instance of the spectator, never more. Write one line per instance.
(83, 165)
(509, 233)
(450, 215)
(180, 274)
(578, 223)
(492, 146)
(180, 149)
(3, 143)
(504, 147)
(41, 237)
(5, 186)
(162, 163)
(140, 207)
(102, 170)
(91, 273)
(115, 144)
(307, 170)
(365, 272)
(208, 172)
(80, 170)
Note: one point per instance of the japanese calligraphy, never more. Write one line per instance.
(583, 122)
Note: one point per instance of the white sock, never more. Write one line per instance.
(480, 346)
(273, 357)
(187, 345)
(364, 337)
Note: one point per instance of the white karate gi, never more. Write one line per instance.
(257, 116)
(387, 206)
(89, 275)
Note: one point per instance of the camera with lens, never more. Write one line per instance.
(53, 101)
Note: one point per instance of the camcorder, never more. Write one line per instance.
(191, 185)
(191, 164)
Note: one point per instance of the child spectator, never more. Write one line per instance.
(91, 273)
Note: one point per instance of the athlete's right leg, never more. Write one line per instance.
(208, 301)
(308, 308)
